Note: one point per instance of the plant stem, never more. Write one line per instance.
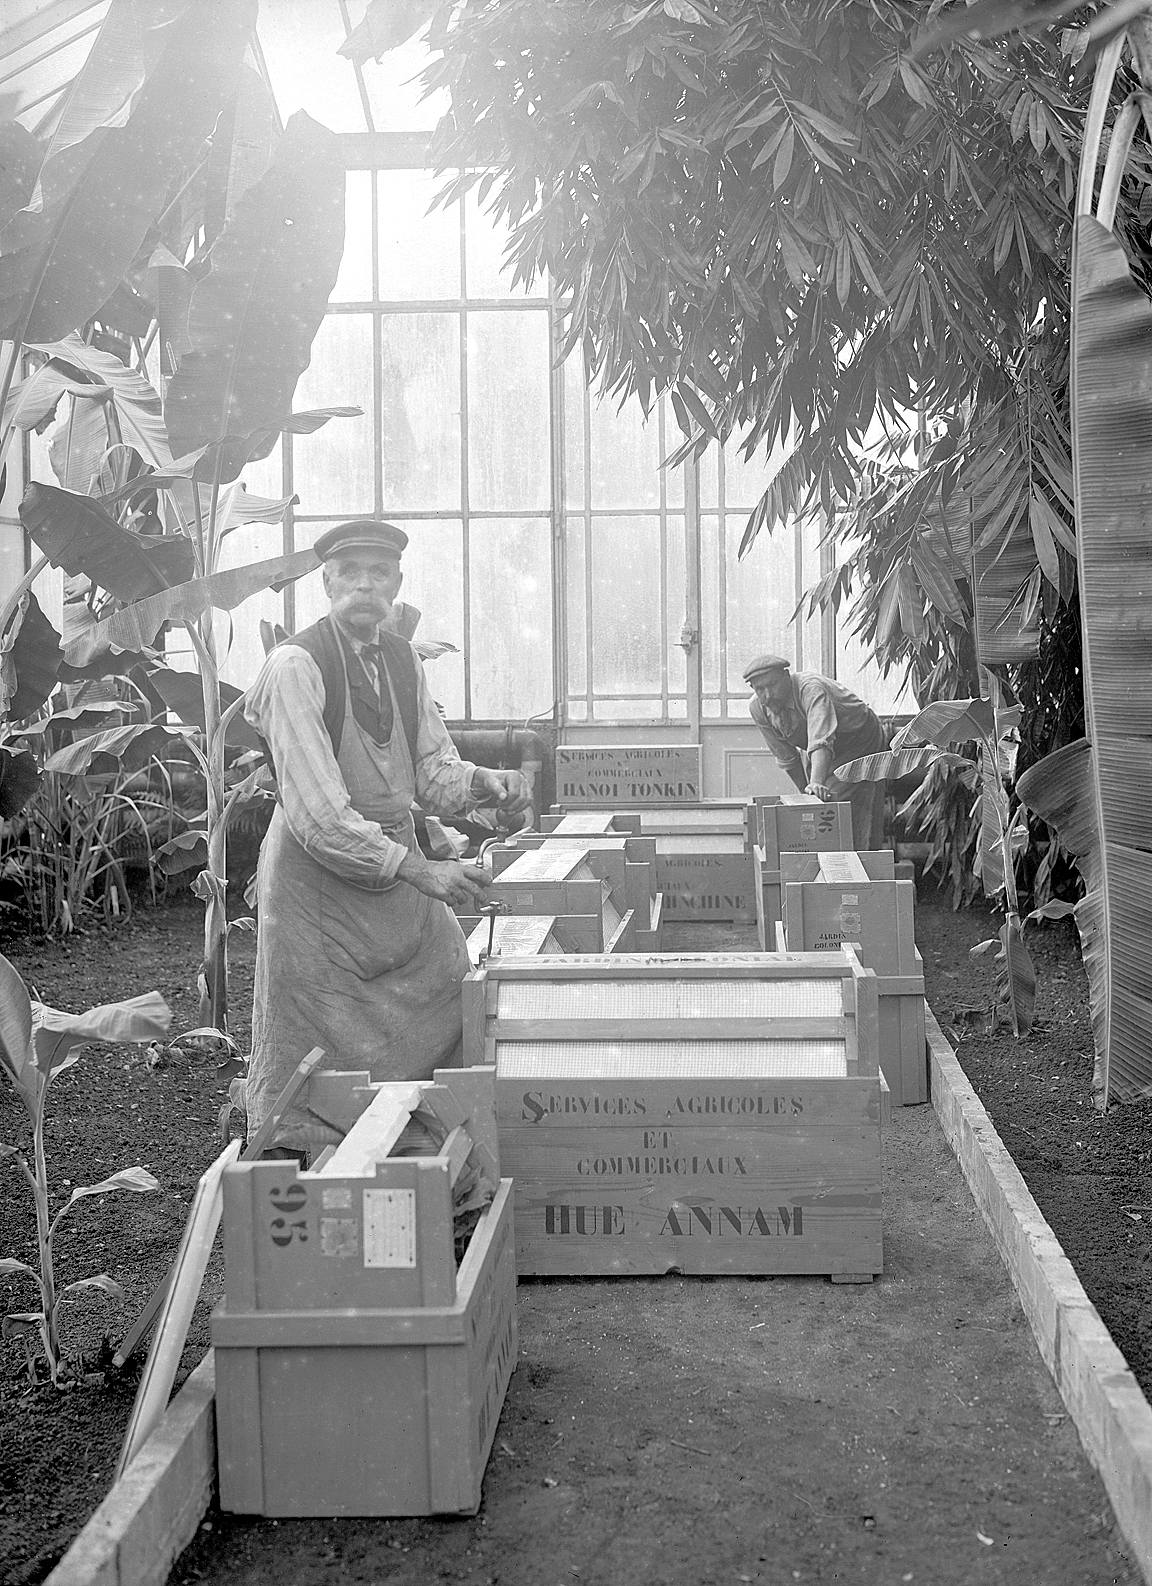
(44, 1239)
(10, 606)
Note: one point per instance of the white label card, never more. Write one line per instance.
(389, 1228)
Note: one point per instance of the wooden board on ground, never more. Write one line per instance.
(706, 1113)
(358, 1370)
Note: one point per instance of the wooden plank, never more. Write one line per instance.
(838, 868)
(675, 966)
(176, 1313)
(375, 1132)
(604, 775)
(677, 1029)
(474, 1089)
(455, 1152)
(473, 993)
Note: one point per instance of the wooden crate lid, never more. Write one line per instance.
(583, 823)
(677, 999)
(697, 819)
(674, 1060)
(537, 865)
(515, 934)
(675, 966)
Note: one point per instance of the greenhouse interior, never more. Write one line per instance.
(581, 582)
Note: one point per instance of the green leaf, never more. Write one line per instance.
(253, 317)
(57, 1036)
(135, 628)
(19, 779)
(139, 415)
(30, 657)
(106, 1285)
(61, 261)
(949, 721)
(34, 401)
(888, 765)
(1015, 978)
(128, 748)
(136, 1179)
(9, 1267)
(77, 534)
(187, 851)
(183, 694)
(16, 1052)
(20, 159)
(1106, 795)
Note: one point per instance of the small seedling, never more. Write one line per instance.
(36, 1044)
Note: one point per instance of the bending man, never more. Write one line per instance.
(357, 950)
(812, 724)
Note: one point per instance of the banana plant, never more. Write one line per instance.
(922, 745)
(37, 1044)
(252, 317)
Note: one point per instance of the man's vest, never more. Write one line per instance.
(323, 644)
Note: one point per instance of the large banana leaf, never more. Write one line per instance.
(136, 404)
(254, 315)
(137, 625)
(20, 158)
(1095, 792)
(77, 534)
(61, 259)
(30, 657)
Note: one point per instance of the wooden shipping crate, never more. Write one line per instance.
(846, 905)
(703, 1113)
(561, 881)
(358, 1370)
(705, 878)
(707, 816)
(598, 775)
(631, 875)
(794, 823)
(513, 936)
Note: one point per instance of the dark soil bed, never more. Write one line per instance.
(1090, 1174)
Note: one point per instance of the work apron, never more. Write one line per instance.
(372, 975)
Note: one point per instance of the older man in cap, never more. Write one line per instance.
(812, 724)
(357, 950)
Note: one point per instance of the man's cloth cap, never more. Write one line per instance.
(372, 534)
(763, 665)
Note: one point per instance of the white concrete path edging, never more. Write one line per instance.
(1112, 1415)
(151, 1514)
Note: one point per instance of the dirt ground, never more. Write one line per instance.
(669, 1430)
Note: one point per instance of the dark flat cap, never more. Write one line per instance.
(372, 534)
(763, 664)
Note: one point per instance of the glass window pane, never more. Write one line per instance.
(395, 92)
(510, 617)
(629, 710)
(434, 583)
(670, 437)
(710, 602)
(238, 632)
(354, 283)
(709, 471)
(487, 271)
(420, 411)
(677, 604)
(309, 602)
(811, 627)
(625, 455)
(509, 461)
(300, 40)
(332, 469)
(577, 608)
(419, 251)
(761, 599)
(577, 710)
(856, 668)
(710, 707)
(266, 477)
(574, 448)
(677, 710)
(626, 628)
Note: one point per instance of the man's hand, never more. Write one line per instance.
(460, 886)
(508, 790)
(820, 790)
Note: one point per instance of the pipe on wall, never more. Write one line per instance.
(504, 748)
